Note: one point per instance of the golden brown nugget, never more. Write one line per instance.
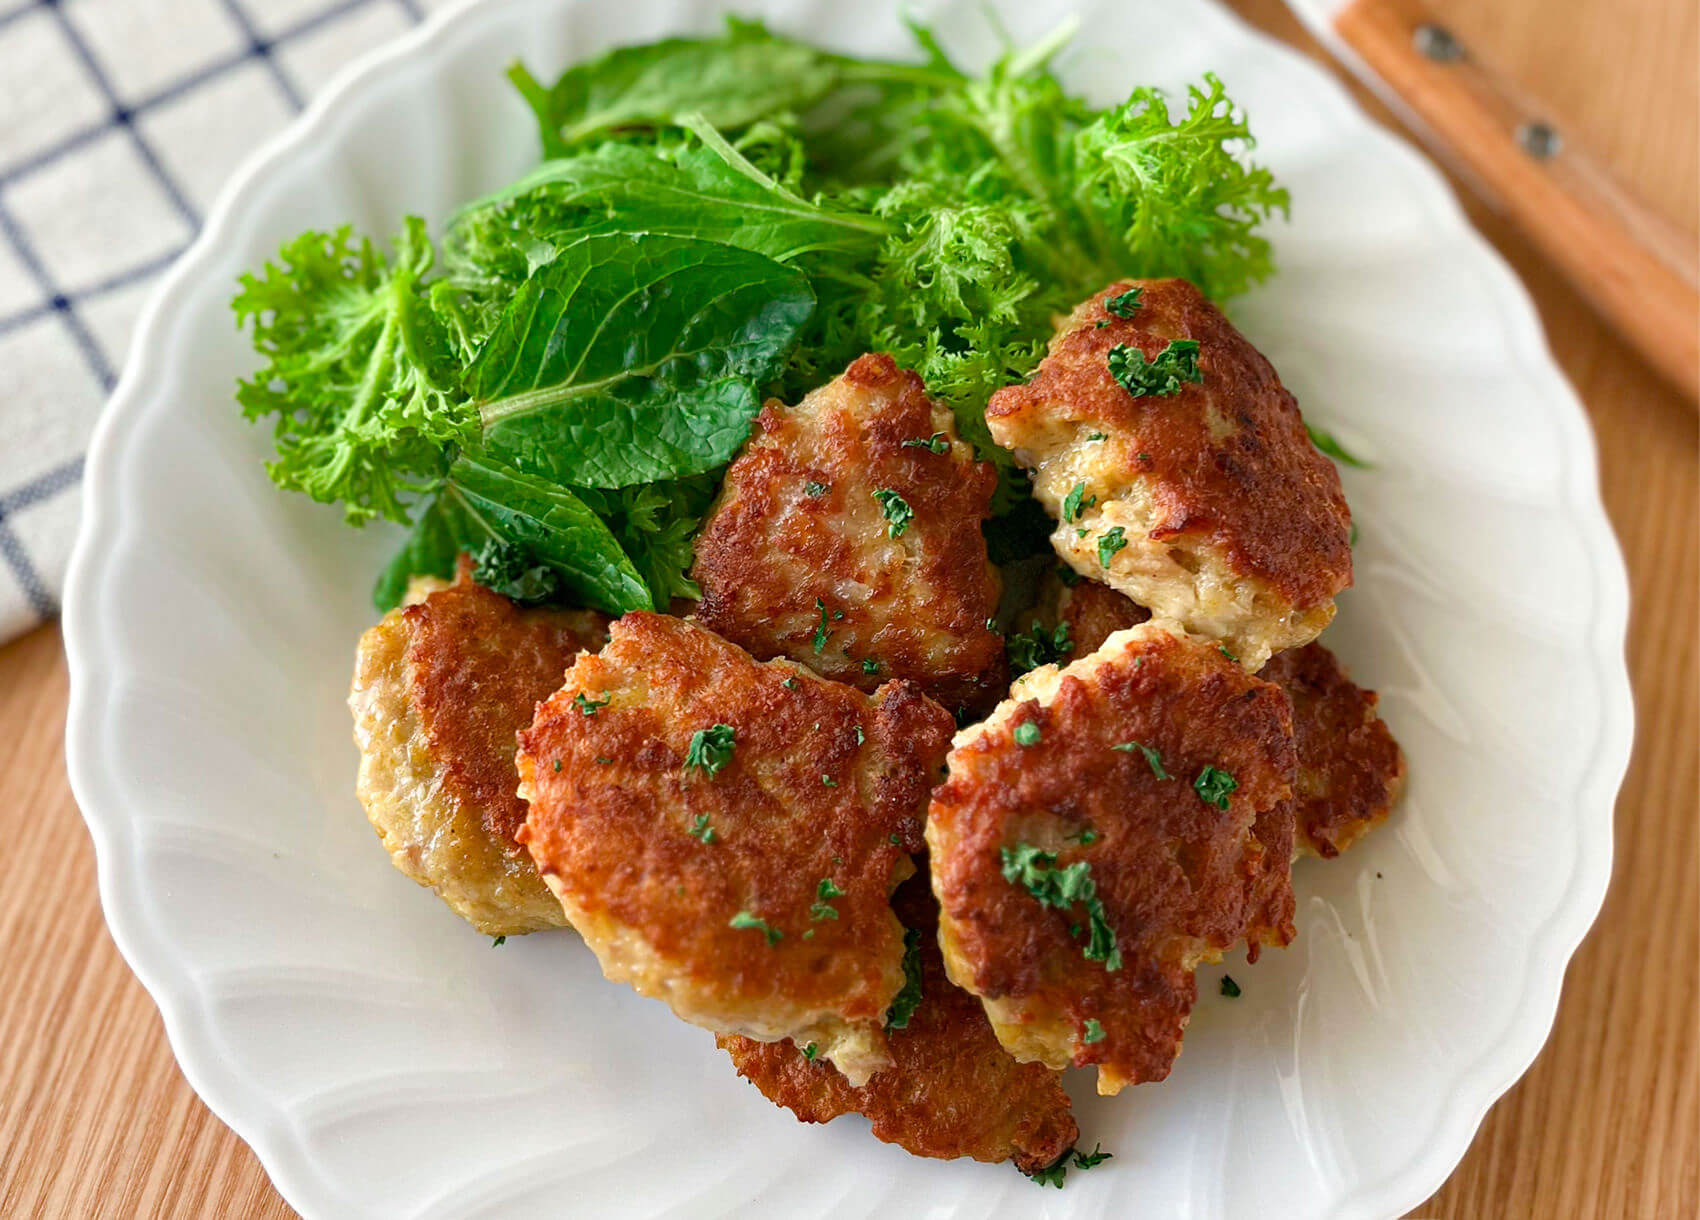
(1351, 769)
(951, 1091)
(1099, 836)
(1201, 496)
(726, 834)
(1090, 613)
(847, 537)
(441, 688)
(1075, 615)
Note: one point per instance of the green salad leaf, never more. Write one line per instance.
(657, 524)
(359, 371)
(685, 189)
(740, 77)
(510, 569)
(1173, 191)
(631, 359)
(908, 998)
(481, 501)
(718, 219)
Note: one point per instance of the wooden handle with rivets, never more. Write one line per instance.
(1636, 269)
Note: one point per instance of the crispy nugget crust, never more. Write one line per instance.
(917, 604)
(441, 688)
(1180, 880)
(952, 1090)
(1093, 612)
(613, 808)
(1236, 526)
(1350, 768)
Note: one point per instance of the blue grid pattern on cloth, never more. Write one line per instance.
(119, 119)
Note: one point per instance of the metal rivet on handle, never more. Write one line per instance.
(1437, 43)
(1539, 140)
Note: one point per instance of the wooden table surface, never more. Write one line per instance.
(96, 1121)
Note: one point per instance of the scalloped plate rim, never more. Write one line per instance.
(274, 1138)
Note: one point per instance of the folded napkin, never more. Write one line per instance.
(119, 121)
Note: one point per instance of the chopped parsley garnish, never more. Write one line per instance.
(1213, 786)
(603, 762)
(904, 1004)
(790, 683)
(702, 830)
(1230, 988)
(815, 490)
(829, 781)
(1126, 304)
(810, 1051)
(711, 748)
(496, 942)
(557, 766)
(936, 443)
(1027, 734)
(870, 666)
(1076, 500)
(822, 631)
(1325, 442)
(1053, 1176)
(1086, 836)
(1067, 575)
(860, 738)
(1035, 647)
(1160, 377)
(1109, 542)
(1226, 653)
(1072, 1158)
(894, 840)
(1086, 1160)
(1036, 871)
(897, 511)
(1094, 1031)
(1153, 757)
(743, 919)
(825, 892)
(591, 706)
(1097, 436)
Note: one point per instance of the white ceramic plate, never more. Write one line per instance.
(384, 1060)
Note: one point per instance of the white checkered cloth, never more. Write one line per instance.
(119, 121)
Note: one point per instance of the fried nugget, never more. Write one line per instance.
(1113, 824)
(951, 1091)
(847, 537)
(441, 688)
(1350, 769)
(726, 834)
(1092, 612)
(1197, 492)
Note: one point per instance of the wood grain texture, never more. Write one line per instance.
(96, 1121)
(1636, 268)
